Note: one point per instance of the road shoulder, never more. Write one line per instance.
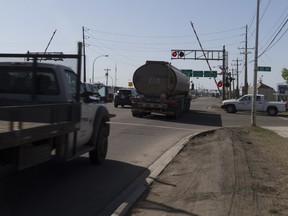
(229, 171)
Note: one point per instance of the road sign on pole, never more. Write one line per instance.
(187, 72)
(210, 73)
(197, 73)
(266, 69)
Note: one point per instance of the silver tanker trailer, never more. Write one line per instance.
(162, 89)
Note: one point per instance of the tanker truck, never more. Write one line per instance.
(162, 89)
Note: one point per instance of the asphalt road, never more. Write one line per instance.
(78, 188)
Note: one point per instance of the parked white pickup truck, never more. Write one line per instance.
(244, 103)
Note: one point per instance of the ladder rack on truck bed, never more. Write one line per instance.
(28, 121)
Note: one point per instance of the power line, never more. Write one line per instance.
(277, 29)
(275, 38)
(161, 37)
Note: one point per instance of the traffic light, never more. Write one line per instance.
(181, 54)
(220, 84)
(174, 54)
(177, 54)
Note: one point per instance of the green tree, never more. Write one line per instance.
(285, 74)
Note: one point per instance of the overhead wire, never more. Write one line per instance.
(270, 44)
(161, 37)
(135, 46)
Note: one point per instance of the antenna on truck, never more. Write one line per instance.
(49, 42)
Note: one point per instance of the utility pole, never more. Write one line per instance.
(246, 65)
(107, 74)
(115, 82)
(237, 77)
(224, 74)
(253, 111)
(84, 55)
(245, 90)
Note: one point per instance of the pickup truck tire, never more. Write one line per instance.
(100, 137)
(231, 108)
(98, 155)
(272, 111)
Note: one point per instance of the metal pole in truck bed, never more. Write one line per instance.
(79, 57)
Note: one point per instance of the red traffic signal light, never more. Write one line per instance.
(174, 54)
(177, 54)
(220, 84)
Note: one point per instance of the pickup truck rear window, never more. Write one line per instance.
(18, 80)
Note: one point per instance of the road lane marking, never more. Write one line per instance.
(283, 118)
(155, 126)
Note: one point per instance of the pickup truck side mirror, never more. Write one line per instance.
(89, 97)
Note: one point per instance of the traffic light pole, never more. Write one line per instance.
(208, 55)
(216, 55)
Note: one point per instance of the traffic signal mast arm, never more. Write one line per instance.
(204, 55)
(197, 54)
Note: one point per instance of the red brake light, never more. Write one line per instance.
(174, 102)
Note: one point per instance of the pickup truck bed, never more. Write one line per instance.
(28, 123)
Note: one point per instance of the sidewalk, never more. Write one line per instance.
(282, 131)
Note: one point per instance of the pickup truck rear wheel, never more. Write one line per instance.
(272, 111)
(98, 154)
(231, 108)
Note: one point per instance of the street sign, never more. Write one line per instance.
(187, 72)
(191, 73)
(210, 73)
(197, 73)
(262, 68)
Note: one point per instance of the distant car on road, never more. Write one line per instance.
(123, 97)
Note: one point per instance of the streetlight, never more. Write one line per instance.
(94, 63)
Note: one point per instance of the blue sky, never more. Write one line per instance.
(132, 31)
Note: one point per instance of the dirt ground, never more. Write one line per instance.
(230, 171)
